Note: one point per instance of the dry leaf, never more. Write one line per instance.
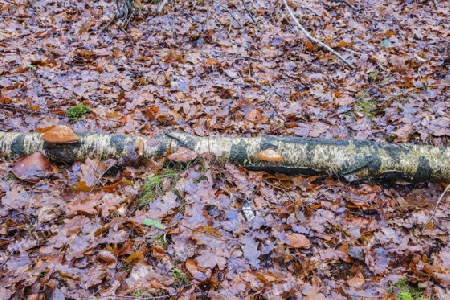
(106, 256)
(297, 240)
(356, 281)
(183, 155)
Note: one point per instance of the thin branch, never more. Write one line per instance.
(313, 39)
(161, 7)
(27, 110)
(435, 208)
(436, 5)
(231, 14)
(135, 297)
(248, 12)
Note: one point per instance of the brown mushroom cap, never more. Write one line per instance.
(60, 135)
(32, 168)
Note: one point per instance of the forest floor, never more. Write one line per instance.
(218, 231)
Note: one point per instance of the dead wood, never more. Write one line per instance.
(349, 159)
(313, 39)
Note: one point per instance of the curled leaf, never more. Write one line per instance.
(356, 281)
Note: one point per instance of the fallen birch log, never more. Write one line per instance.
(349, 159)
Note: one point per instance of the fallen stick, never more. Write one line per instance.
(313, 39)
(161, 7)
(352, 160)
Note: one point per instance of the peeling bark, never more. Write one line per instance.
(349, 159)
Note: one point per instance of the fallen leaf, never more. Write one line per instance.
(32, 168)
(297, 240)
(314, 295)
(356, 281)
(254, 116)
(106, 256)
(153, 223)
(183, 155)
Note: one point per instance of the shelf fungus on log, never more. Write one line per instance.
(269, 155)
(60, 135)
(349, 159)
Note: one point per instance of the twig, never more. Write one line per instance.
(136, 297)
(27, 110)
(436, 207)
(101, 175)
(124, 14)
(248, 12)
(231, 14)
(161, 7)
(349, 4)
(313, 39)
(6, 259)
(436, 6)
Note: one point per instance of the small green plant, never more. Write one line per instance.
(391, 138)
(385, 43)
(126, 267)
(406, 291)
(153, 223)
(179, 277)
(76, 112)
(153, 186)
(161, 240)
(9, 176)
(367, 108)
(372, 76)
(31, 67)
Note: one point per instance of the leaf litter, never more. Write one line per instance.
(222, 231)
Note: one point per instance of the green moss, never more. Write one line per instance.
(368, 108)
(153, 186)
(391, 138)
(76, 112)
(179, 277)
(9, 176)
(365, 106)
(406, 291)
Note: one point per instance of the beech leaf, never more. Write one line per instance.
(153, 223)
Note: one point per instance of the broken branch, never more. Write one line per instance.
(313, 39)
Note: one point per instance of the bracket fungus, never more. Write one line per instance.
(60, 135)
(269, 155)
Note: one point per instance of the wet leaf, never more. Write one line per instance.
(32, 168)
